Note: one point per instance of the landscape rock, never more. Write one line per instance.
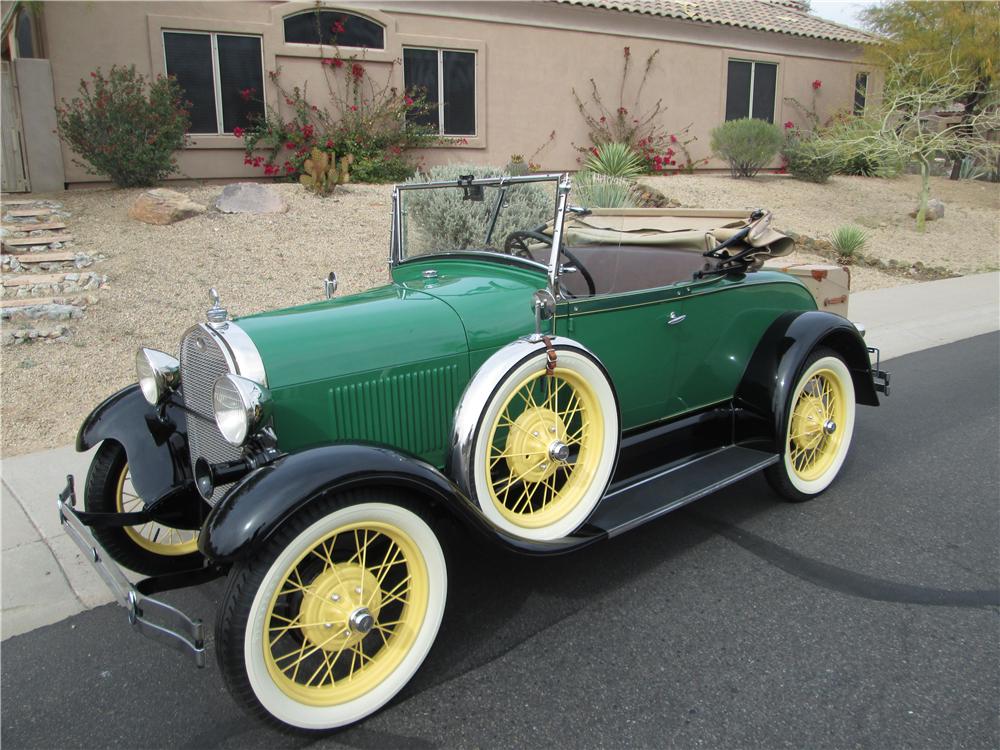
(250, 198)
(162, 206)
(935, 210)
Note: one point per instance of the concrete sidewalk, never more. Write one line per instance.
(45, 578)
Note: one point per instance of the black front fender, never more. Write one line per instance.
(779, 358)
(156, 445)
(256, 506)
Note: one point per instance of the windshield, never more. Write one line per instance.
(492, 218)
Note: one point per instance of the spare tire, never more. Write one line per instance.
(536, 450)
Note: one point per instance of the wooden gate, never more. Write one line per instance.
(13, 175)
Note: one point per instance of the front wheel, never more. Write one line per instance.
(336, 613)
(820, 425)
(150, 548)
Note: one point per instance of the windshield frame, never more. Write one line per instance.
(562, 191)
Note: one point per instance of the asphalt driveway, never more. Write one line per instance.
(868, 617)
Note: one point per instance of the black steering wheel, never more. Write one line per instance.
(516, 244)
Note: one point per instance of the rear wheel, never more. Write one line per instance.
(150, 548)
(335, 614)
(820, 426)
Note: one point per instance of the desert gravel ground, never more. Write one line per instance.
(160, 275)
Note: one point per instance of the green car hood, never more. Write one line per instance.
(378, 329)
(492, 299)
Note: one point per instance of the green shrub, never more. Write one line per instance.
(601, 191)
(748, 145)
(615, 160)
(810, 159)
(848, 240)
(439, 220)
(124, 126)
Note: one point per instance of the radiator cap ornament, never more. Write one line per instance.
(216, 313)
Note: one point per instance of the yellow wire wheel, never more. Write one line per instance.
(820, 425)
(546, 447)
(345, 615)
(151, 536)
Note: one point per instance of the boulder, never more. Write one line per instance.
(935, 210)
(250, 198)
(161, 206)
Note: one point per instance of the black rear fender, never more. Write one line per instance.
(156, 445)
(778, 361)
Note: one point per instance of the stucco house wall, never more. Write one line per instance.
(529, 57)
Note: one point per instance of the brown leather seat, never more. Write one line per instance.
(629, 268)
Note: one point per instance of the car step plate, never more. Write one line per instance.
(640, 499)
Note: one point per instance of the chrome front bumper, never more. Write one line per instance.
(174, 629)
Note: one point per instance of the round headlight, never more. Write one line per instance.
(241, 406)
(158, 373)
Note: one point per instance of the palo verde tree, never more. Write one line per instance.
(939, 39)
(905, 127)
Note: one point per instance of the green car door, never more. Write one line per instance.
(637, 335)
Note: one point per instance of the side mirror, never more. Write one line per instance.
(330, 285)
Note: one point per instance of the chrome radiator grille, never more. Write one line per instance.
(202, 361)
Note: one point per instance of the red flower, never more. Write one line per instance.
(326, 61)
(289, 168)
(307, 131)
(247, 94)
(622, 111)
(396, 150)
(408, 100)
(358, 71)
(789, 125)
(593, 150)
(604, 119)
(338, 27)
(329, 143)
(338, 63)
(354, 108)
(248, 161)
(816, 84)
(673, 139)
(289, 145)
(258, 160)
(238, 132)
(270, 169)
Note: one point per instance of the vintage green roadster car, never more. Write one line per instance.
(550, 376)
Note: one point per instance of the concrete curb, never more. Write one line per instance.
(45, 579)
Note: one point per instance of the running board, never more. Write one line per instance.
(637, 500)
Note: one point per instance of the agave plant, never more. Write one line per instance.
(615, 160)
(848, 240)
(601, 191)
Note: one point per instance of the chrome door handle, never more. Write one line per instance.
(675, 318)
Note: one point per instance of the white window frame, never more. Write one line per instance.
(216, 78)
(385, 31)
(440, 70)
(753, 80)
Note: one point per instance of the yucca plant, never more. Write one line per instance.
(849, 240)
(601, 191)
(615, 160)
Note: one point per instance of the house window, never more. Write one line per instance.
(448, 79)
(860, 93)
(333, 26)
(750, 90)
(222, 76)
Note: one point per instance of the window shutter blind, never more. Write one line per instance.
(738, 90)
(420, 74)
(189, 59)
(240, 69)
(459, 93)
(765, 76)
